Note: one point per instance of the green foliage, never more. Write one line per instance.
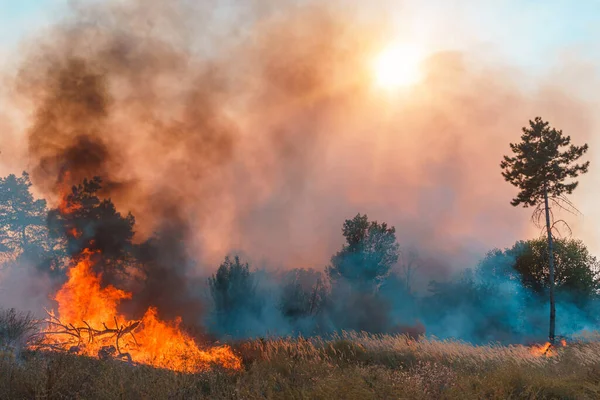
(370, 251)
(98, 224)
(543, 160)
(22, 218)
(577, 271)
(231, 284)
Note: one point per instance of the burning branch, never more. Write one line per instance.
(78, 336)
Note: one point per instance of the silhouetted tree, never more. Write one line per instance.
(368, 254)
(303, 294)
(84, 221)
(23, 228)
(409, 264)
(91, 222)
(577, 272)
(233, 291)
(541, 164)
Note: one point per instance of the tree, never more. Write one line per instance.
(542, 168)
(84, 221)
(409, 265)
(577, 272)
(233, 292)
(370, 251)
(22, 219)
(303, 294)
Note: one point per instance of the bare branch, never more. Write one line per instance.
(93, 334)
(565, 224)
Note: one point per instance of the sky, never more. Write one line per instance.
(537, 38)
(19, 18)
(529, 31)
(534, 35)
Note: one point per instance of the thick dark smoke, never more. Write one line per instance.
(255, 127)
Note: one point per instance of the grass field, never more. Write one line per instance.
(352, 366)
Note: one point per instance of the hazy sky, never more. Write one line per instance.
(537, 38)
(526, 30)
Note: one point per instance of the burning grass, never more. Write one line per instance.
(88, 323)
(349, 366)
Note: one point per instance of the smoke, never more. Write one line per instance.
(23, 287)
(255, 127)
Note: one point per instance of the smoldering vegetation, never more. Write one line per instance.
(256, 132)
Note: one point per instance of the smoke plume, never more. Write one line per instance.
(259, 126)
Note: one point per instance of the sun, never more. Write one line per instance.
(397, 65)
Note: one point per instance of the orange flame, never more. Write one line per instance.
(91, 311)
(73, 232)
(66, 207)
(542, 350)
(547, 349)
(82, 299)
(165, 345)
(88, 322)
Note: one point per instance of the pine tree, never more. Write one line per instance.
(22, 218)
(542, 168)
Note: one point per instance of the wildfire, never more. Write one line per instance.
(66, 206)
(74, 233)
(547, 349)
(542, 350)
(88, 323)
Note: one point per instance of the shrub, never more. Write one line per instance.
(16, 330)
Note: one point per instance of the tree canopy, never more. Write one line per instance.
(84, 221)
(22, 218)
(92, 223)
(541, 167)
(543, 160)
(577, 271)
(233, 290)
(370, 251)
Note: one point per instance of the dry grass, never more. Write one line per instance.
(17, 329)
(351, 366)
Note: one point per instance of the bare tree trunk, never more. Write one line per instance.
(314, 297)
(551, 334)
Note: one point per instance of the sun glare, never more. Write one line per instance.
(397, 65)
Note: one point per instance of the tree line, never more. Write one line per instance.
(503, 298)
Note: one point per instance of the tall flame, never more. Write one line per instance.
(88, 323)
(82, 298)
